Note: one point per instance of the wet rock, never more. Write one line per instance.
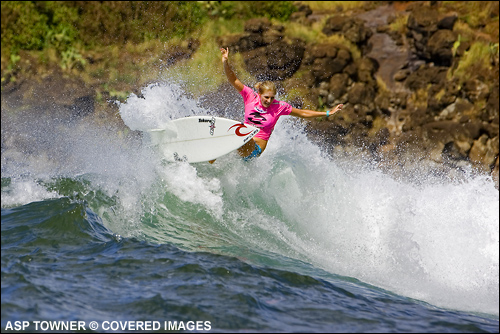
(353, 29)
(367, 67)
(250, 42)
(66, 97)
(271, 37)
(401, 75)
(495, 174)
(257, 25)
(361, 93)
(423, 21)
(439, 47)
(426, 75)
(82, 106)
(448, 22)
(492, 106)
(267, 53)
(338, 84)
(484, 152)
(301, 15)
(276, 61)
(335, 24)
(476, 90)
(327, 59)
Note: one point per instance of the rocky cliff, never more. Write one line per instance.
(401, 104)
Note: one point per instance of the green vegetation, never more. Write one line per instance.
(477, 14)
(228, 10)
(336, 5)
(29, 25)
(74, 34)
(94, 39)
(37, 25)
(399, 25)
(478, 59)
(477, 26)
(117, 45)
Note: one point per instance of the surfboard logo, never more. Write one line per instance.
(238, 130)
(212, 124)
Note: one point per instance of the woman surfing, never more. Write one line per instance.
(262, 110)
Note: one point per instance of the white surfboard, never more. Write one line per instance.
(200, 138)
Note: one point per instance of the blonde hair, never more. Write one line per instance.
(264, 86)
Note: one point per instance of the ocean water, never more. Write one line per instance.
(100, 234)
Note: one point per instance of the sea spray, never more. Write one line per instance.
(157, 105)
(21, 191)
(42, 152)
(435, 241)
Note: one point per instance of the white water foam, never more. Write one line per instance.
(157, 105)
(436, 241)
(21, 192)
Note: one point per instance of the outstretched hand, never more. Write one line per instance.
(337, 108)
(231, 77)
(225, 54)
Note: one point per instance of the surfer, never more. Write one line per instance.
(262, 110)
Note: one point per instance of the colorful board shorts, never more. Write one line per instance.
(255, 153)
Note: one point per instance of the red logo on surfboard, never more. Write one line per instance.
(238, 130)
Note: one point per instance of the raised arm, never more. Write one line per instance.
(231, 77)
(304, 113)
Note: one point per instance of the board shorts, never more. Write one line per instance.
(255, 153)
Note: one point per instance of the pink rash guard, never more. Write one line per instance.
(263, 118)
